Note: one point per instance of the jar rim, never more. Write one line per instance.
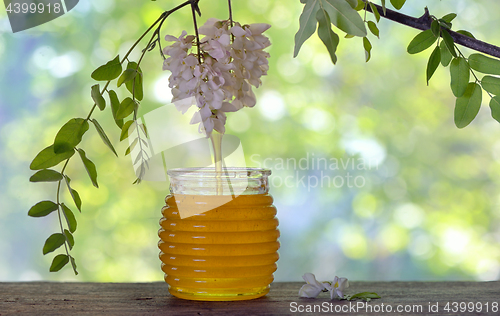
(229, 172)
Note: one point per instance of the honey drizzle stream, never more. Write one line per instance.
(216, 139)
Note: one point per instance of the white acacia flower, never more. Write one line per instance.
(207, 123)
(337, 287)
(223, 81)
(312, 288)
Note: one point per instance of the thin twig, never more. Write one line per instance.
(66, 242)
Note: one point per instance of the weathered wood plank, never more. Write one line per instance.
(49, 298)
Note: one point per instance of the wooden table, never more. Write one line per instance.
(47, 298)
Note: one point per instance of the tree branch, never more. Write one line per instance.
(424, 23)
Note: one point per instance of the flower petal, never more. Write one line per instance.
(171, 38)
(184, 104)
(309, 291)
(311, 279)
(343, 283)
(259, 28)
(238, 31)
(224, 39)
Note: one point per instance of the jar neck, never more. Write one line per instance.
(208, 181)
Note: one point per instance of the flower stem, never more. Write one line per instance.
(230, 12)
(196, 32)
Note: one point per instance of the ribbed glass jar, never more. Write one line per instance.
(218, 235)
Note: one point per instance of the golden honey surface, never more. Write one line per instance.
(227, 253)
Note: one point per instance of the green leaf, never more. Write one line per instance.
(444, 24)
(344, 17)
(41, 209)
(48, 158)
(127, 107)
(421, 42)
(127, 129)
(466, 33)
(435, 28)
(144, 142)
(445, 54)
(364, 296)
(73, 264)
(70, 135)
(368, 48)
(353, 3)
(135, 85)
(449, 42)
(115, 105)
(398, 4)
(373, 28)
(144, 129)
(110, 71)
(361, 5)
(74, 194)
(375, 13)
(58, 263)
(433, 63)
(46, 175)
(468, 105)
(327, 36)
(495, 107)
(384, 7)
(307, 23)
(103, 135)
(459, 73)
(95, 93)
(53, 242)
(491, 84)
(69, 237)
(70, 218)
(131, 147)
(127, 75)
(449, 17)
(76, 199)
(139, 156)
(89, 166)
(484, 64)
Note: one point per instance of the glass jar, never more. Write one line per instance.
(218, 235)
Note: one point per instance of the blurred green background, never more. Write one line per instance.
(428, 208)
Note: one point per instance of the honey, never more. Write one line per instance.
(226, 253)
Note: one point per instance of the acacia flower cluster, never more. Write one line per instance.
(220, 79)
(313, 287)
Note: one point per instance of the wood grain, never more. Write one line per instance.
(50, 298)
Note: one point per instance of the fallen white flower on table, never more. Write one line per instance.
(337, 287)
(312, 288)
